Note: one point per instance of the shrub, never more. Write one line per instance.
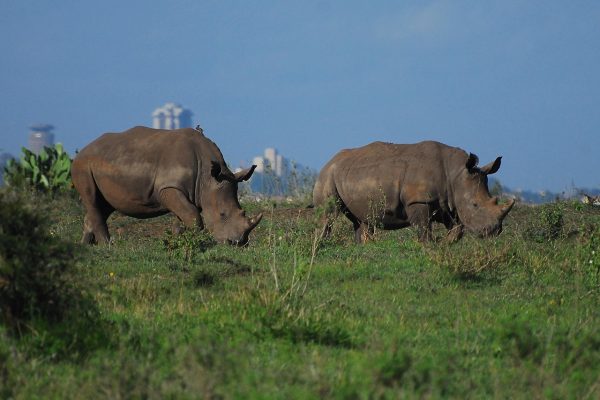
(37, 293)
(48, 171)
(187, 243)
(549, 225)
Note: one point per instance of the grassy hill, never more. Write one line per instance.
(291, 317)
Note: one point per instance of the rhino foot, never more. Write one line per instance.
(454, 234)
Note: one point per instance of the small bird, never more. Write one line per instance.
(199, 129)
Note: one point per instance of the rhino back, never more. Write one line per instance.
(130, 168)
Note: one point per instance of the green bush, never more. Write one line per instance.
(549, 224)
(36, 269)
(188, 243)
(48, 171)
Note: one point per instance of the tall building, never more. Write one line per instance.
(171, 116)
(40, 136)
(271, 160)
(275, 175)
(270, 175)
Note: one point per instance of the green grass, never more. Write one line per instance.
(513, 317)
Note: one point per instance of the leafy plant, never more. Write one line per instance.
(185, 244)
(50, 170)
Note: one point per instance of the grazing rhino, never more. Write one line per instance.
(146, 172)
(397, 185)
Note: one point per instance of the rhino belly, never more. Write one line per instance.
(131, 195)
(371, 207)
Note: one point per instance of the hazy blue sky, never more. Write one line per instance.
(514, 78)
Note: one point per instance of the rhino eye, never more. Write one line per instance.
(222, 215)
(475, 205)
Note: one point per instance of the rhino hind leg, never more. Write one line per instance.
(98, 210)
(326, 222)
(363, 232)
(95, 229)
(419, 216)
(175, 201)
(329, 208)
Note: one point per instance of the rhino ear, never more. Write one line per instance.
(215, 169)
(492, 167)
(220, 174)
(472, 161)
(244, 174)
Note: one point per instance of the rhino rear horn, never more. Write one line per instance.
(244, 174)
(492, 167)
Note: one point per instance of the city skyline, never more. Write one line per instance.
(171, 116)
(496, 78)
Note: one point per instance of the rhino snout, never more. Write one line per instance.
(242, 240)
(490, 231)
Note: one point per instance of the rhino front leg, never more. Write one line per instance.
(419, 217)
(175, 201)
(177, 227)
(454, 233)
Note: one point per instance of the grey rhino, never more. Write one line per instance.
(146, 172)
(397, 185)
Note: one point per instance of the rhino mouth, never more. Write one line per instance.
(490, 231)
(237, 242)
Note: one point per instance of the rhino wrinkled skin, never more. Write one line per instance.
(146, 172)
(396, 185)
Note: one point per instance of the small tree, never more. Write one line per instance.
(48, 171)
(34, 265)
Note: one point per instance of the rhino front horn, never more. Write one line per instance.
(254, 221)
(506, 209)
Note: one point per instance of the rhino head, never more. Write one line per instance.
(221, 210)
(477, 210)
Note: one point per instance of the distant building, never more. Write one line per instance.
(40, 136)
(271, 162)
(277, 176)
(171, 116)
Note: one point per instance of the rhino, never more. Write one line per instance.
(145, 173)
(398, 185)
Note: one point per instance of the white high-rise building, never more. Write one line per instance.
(40, 136)
(171, 116)
(275, 175)
(276, 162)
